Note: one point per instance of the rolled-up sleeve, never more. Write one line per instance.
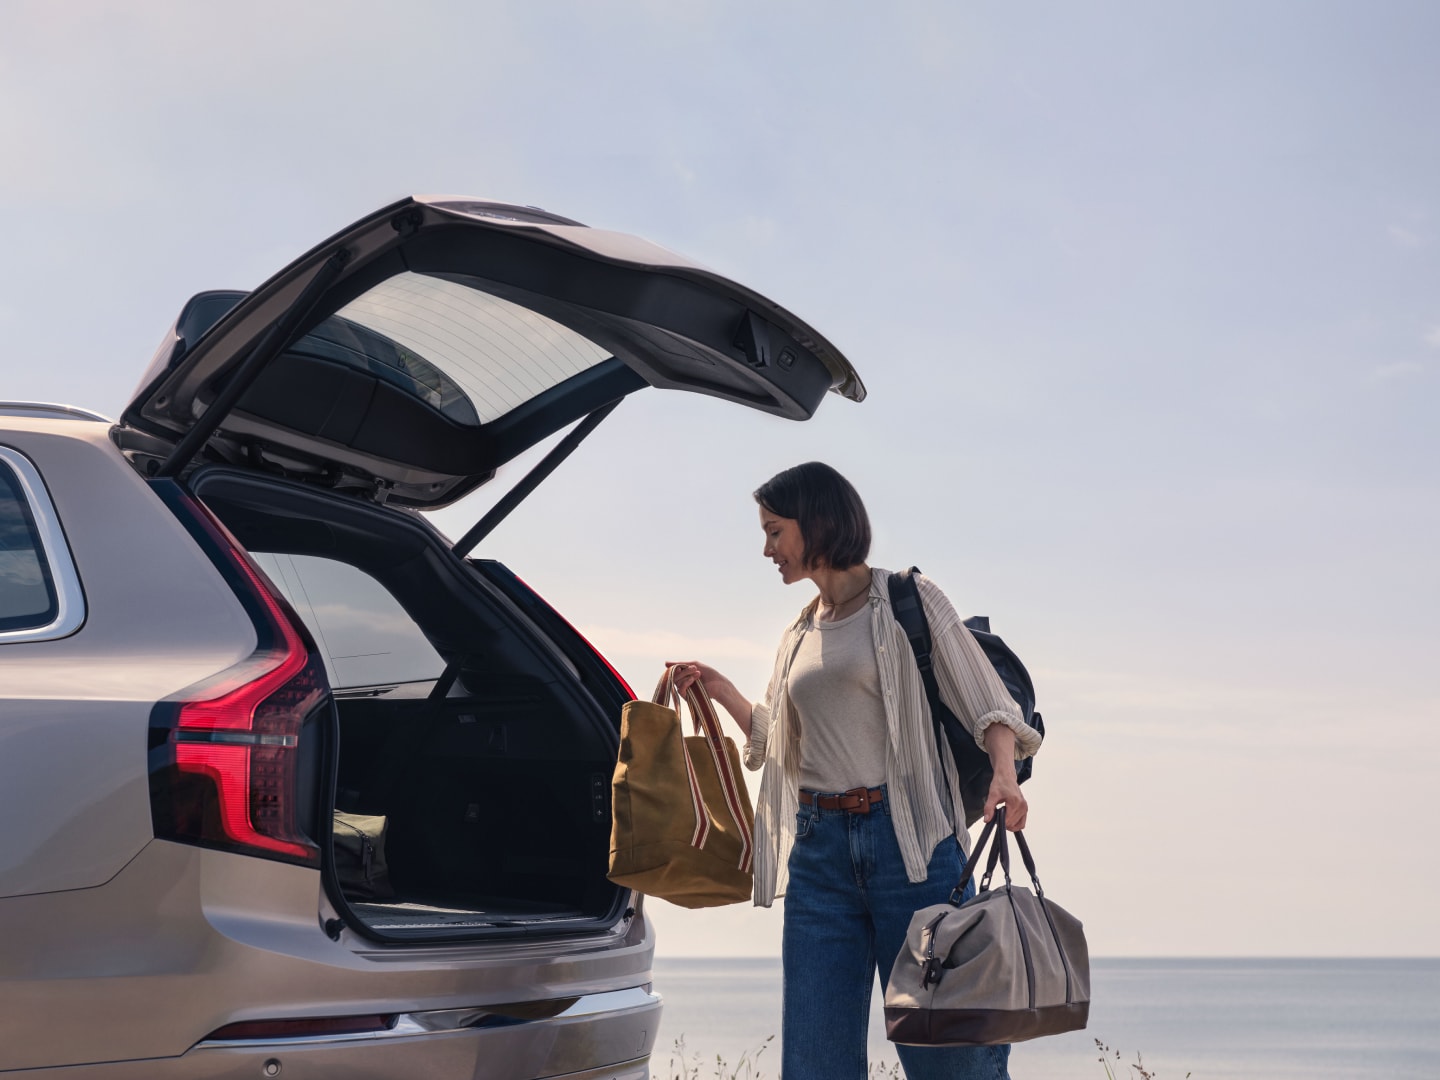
(968, 682)
(759, 735)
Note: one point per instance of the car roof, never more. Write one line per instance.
(45, 410)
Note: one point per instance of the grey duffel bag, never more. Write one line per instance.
(1005, 966)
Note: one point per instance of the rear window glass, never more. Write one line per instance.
(365, 637)
(472, 356)
(27, 591)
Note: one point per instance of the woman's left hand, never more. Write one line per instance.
(1000, 744)
(1006, 789)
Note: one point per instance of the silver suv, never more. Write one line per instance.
(290, 784)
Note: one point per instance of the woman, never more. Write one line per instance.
(856, 824)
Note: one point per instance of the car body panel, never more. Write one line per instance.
(73, 711)
(503, 1054)
(207, 938)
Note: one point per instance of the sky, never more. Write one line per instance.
(1146, 297)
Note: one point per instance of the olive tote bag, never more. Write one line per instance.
(1004, 966)
(682, 825)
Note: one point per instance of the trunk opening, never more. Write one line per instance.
(472, 782)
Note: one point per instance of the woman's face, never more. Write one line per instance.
(784, 546)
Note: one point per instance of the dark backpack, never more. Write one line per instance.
(971, 762)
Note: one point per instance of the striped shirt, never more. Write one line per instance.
(923, 789)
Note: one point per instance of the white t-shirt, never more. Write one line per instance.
(835, 689)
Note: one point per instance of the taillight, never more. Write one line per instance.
(226, 751)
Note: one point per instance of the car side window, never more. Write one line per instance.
(40, 594)
(365, 637)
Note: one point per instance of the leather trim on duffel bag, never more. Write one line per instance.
(981, 1027)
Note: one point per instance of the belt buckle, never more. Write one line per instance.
(863, 795)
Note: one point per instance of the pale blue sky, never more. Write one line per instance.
(1147, 298)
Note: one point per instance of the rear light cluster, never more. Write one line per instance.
(225, 752)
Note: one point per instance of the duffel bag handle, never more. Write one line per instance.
(972, 863)
(999, 852)
(999, 849)
(1029, 861)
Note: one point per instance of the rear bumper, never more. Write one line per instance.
(186, 941)
(443, 1045)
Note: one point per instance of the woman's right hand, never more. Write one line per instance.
(721, 689)
(687, 672)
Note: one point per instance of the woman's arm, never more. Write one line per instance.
(1004, 787)
(975, 693)
(720, 689)
(753, 718)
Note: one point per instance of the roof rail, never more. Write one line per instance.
(47, 411)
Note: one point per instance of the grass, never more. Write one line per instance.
(1137, 1067)
(687, 1065)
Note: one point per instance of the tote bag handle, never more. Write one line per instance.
(668, 695)
(665, 691)
(707, 723)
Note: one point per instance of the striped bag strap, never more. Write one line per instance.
(707, 723)
(667, 694)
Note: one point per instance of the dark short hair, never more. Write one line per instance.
(828, 508)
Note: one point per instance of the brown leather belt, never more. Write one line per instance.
(855, 801)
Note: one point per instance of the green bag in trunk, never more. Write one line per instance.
(359, 843)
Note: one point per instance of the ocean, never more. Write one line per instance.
(1233, 1019)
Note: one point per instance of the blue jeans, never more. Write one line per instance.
(847, 908)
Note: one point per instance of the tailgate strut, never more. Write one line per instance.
(531, 480)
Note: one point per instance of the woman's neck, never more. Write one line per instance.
(840, 590)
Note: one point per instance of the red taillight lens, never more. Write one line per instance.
(225, 752)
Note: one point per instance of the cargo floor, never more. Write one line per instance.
(399, 916)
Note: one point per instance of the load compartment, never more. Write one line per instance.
(485, 826)
(476, 732)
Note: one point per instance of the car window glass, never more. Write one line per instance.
(472, 356)
(364, 635)
(27, 592)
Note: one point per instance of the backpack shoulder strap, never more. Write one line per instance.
(910, 614)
